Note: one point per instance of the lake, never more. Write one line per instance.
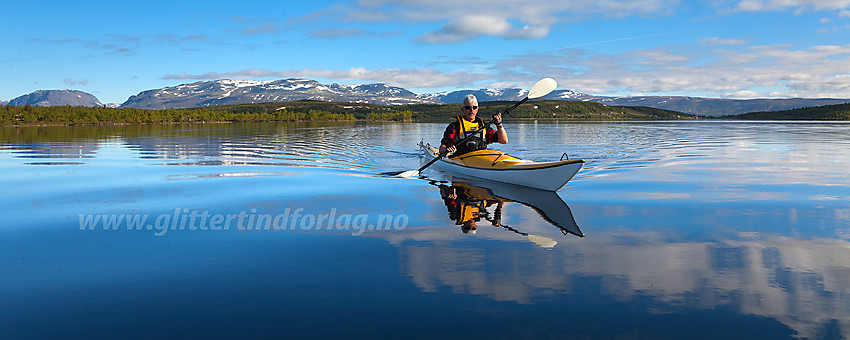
(692, 229)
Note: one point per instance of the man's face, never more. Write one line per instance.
(469, 111)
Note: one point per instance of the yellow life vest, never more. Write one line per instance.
(469, 211)
(465, 129)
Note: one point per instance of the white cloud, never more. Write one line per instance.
(466, 28)
(407, 78)
(261, 29)
(716, 41)
(529, 32)
(73, 82)
(338, 33)
(478, 24)
(470, 27)
(742, 95)
(798, 5)
(467, 20)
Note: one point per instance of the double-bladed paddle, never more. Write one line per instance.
(542, 88)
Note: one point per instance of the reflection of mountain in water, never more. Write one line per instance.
(801, 283)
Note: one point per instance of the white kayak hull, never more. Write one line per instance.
(549, 176)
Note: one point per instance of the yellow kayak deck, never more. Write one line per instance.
(494, 159)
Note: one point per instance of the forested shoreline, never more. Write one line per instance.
(305, 111)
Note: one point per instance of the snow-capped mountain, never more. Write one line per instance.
(224, 92)
(483, 95)
(56, 98)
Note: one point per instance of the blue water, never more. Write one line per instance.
(684, 230)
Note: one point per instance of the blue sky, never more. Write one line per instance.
(719, 49)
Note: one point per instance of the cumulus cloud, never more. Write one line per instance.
(745, 94)
(260, 29)
(340, 33)
(128, 45)
(467, 20)
(74, 83)
(470, 27)
(797, 5)
(716, 41)
(408, 78)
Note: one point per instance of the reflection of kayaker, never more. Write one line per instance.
(467, 210)
(468, 200)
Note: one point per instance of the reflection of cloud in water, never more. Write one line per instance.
(723, 155)
(62, 150)
(801, 283)
(183, 177)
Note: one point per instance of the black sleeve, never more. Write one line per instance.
(447, 135)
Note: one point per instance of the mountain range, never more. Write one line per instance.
(223, 92)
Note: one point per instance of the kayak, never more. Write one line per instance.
(495, 165)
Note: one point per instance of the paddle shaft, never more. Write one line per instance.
(470, 136)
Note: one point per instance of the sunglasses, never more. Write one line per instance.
(467, 107)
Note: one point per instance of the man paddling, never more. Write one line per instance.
(466, 124)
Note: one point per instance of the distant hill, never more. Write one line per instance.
(716, 107)
(3, 102)
(828, 112)
(56, 98)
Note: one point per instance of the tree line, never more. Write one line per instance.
(310, 110)
(828, 112)
(73, 115)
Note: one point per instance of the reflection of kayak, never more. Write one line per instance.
(498, 166)
(548, 204)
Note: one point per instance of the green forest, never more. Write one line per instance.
(828, 112)
(75, 115)
(301, 111)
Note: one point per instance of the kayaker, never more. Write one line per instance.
(468, 123)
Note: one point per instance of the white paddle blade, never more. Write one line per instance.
(410, 173)
(542, 241)
(542, 88)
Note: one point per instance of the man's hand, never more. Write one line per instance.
(445, 150)
(497, 118)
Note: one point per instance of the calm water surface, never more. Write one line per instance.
(672, 230)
